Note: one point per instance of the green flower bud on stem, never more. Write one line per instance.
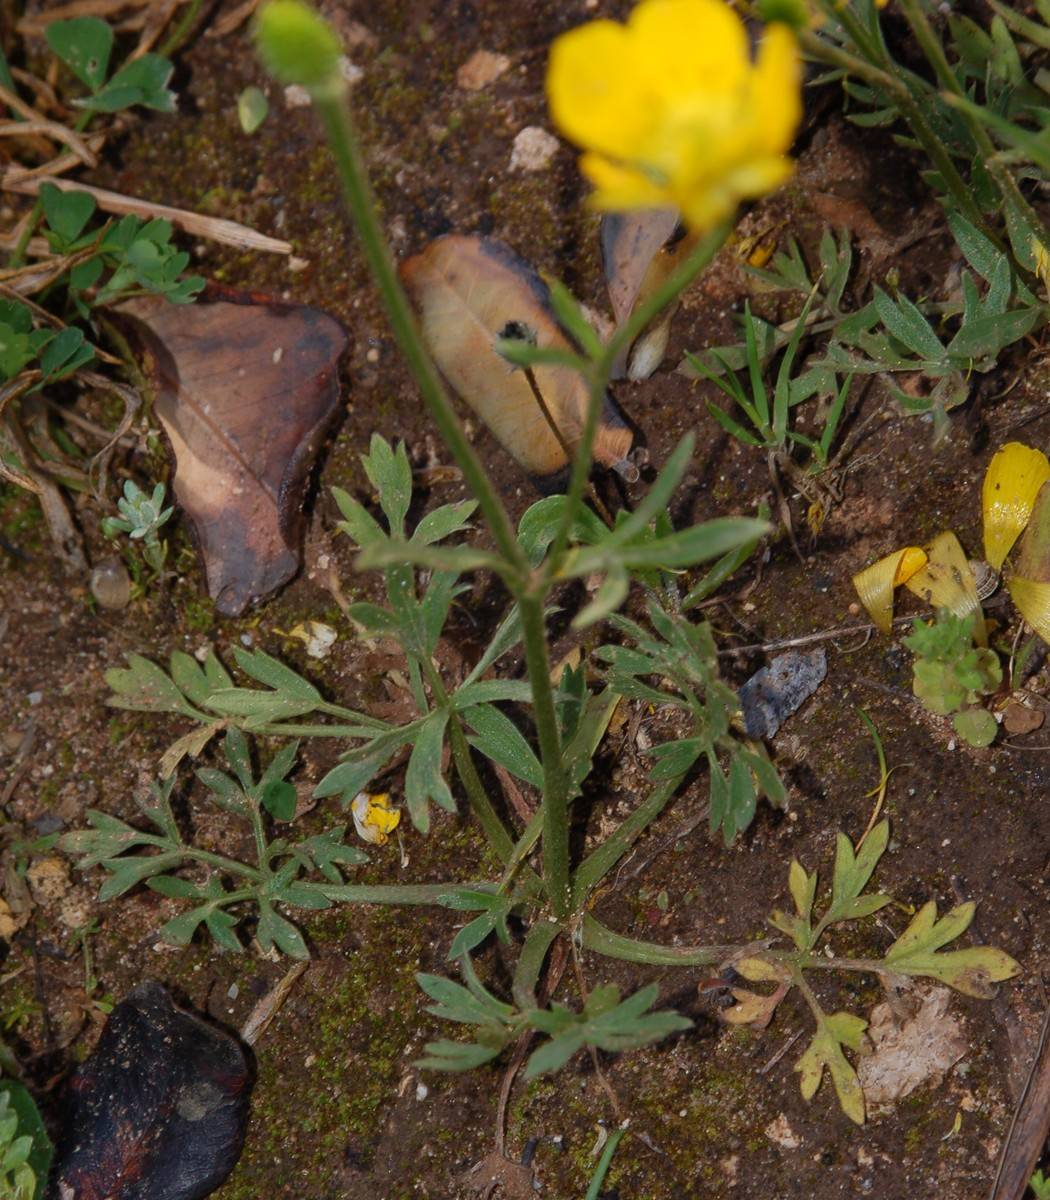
(298, 46)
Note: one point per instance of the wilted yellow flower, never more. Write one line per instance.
(375, 818)
(671, 111)
(875, 584)
(1011, 484)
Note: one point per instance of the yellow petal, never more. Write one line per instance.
(776, 88)
(621, 188)
(1032, 560)
(597, 96)
(687, 46)
(1011, 484)
(946, 581)
(875, 584)
(1033, 603)
(374, 817)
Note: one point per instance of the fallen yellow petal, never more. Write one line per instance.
(946, 581)
(1033, 603)
(375, 818)
(1011, 484)
(875, 584)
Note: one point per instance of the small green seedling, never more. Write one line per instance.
(1040, 1185)
(141, 519)
(132, 856)
(952, 675)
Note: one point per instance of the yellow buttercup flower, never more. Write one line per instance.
(671, 110)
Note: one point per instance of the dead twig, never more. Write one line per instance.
(808, 639)
(132, 401)
(217, 229)
(1028, 1129)
(36, 24)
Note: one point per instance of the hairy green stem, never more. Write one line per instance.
(598, 380)
(555, 777)
(342, 136)
(600, 940)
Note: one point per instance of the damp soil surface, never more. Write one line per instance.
(338, 1108)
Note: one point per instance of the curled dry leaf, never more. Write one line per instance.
(639, 252)
(471, 291)
(946, 580)
(158, 1110)
(245, 390)
(913, 1047)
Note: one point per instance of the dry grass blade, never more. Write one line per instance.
(57, 166)
(217, 229)
(157, 16)
(36, 23)
(233, 20)
(270, 1005)
(25, 281)
(63, 533)
(132, 401)
(52, 130)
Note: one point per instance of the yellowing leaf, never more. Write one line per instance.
(753, 1009)
(825, 1050)
(875, 584)
(972, 971)
(946, 581)
(1033, 603)
(1011, 484)
(758, 970)
(375, 818)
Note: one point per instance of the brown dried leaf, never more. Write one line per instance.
(639, 252)
(245, 390)
(912, 1049)
(470, 291)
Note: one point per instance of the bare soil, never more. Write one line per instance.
(339, 1111)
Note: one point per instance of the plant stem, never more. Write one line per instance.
(332, 109)
(614, 945)
(882, 77)
(933, 49)
(181, 31)
(221, 863)
(489, 820)
(555, 778)
(598, 380)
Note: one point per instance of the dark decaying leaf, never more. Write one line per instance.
(776, 692)
(471, 291)
(158, 1110)
(245, 389)
(639, 252)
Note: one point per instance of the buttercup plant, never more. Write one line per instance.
(667, 661)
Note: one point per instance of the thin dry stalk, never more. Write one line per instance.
(37, 23)
(217, 229)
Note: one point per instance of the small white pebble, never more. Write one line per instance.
(372, 356)
(246, 639)
(278, 354)
(946, 842)
(35, 698)
(309, 1060)
(422, 1091)
(233, 991)
(533, 149)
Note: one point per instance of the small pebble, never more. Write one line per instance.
(111, 584)
(422, 1091)
(246, 639)
(34, 698)
(233, 991)
(533, 149)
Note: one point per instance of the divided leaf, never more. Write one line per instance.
(972, 971)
